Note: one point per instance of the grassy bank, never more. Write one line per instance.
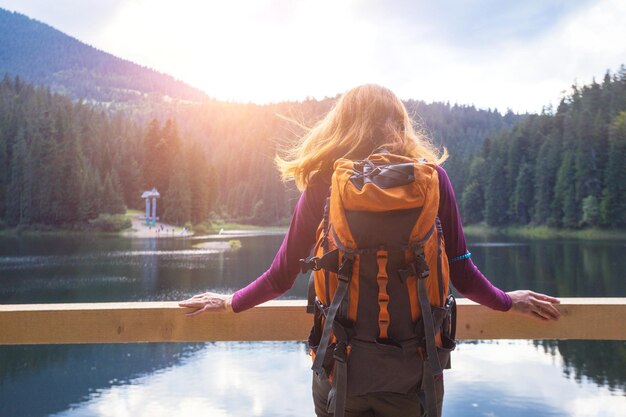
(216, 227)
(54, 231)
(119, 225)
(544, 232)
(104, 224)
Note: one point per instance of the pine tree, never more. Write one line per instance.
(591, 211)
(201, 184)
(177, 199)
(613, 202)
(46, 157)
(546, 168)
(16, 190)
(524, 194)
(496, 193)
(151, 167)
(70, 181)
(111, 199)
(473, 203)
(565, 192)
(4, 174)
(91, 191)
(473, 199)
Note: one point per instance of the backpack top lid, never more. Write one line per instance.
(383, 182)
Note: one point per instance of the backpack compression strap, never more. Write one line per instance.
(432, 368)
(338, 405)
(344, 274)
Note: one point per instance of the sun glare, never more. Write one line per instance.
(272, 50)
(248, 51)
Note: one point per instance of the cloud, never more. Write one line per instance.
(507, 378)
(224, 379)
(515, 378)
(521, 73)
(474, 24)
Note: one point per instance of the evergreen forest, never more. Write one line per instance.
(83, 133)
(64, 163)
(565, 169)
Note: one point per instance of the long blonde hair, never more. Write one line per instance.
(364, 119)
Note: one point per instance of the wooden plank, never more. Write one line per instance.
(582, 318)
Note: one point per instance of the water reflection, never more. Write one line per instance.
(562, 268)
(604, 363)
(43, 380)
(273, 379)
(517, 379)
(223, 379)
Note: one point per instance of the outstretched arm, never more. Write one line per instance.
(468, 279)
(281, 275)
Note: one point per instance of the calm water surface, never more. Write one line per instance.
(510, 378)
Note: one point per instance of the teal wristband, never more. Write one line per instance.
(460, 258)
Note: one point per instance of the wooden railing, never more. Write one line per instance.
(581, 318)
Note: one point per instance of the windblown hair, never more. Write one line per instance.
(364, 119)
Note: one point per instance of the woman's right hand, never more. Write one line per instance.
(534, 304)
(208, 301)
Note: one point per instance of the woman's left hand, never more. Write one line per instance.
(534, 304)
(209, 301)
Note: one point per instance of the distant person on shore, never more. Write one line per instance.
(369, 121)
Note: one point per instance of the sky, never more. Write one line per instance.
(522, 55)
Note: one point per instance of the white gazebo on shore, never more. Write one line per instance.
(151, 195)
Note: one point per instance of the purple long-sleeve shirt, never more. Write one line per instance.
(300, 239)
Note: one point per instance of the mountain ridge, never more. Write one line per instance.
(42, 54)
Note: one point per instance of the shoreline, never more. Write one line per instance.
(234, 231)
(139, 230)
(160, 230)
(544, 232)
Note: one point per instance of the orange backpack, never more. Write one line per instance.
(383, 318)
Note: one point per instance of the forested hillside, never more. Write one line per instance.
(43, 55)
(195, 147)
(462, 129)
(242, 140)
(64, 163)
(566, 169)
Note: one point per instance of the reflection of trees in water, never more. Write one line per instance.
(42, 380)
(565, 269)
(603, 362)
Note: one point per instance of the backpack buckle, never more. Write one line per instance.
(341, 352)
(422, 270)
(419, 266)
(321, 307)
(344, 273)
(309, 264)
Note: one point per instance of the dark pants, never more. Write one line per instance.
(378, 404)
